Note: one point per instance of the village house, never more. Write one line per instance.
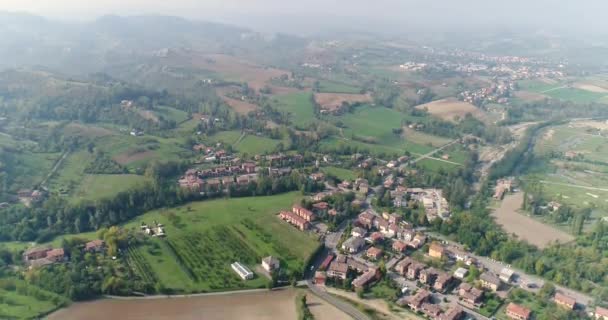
(431, 310)
(376, 237)
(94, 246)
(460, 273)
(394, 218)
(325, 264)
(358, 232)
(564, 301)
(414, 270)
(56, 255)
(415, 302)
(332, 212)
(436, 250)
(502, 186)
(295, 220)
(320, 207)
(442, 282)
(191, 181)
(271, 263)
(337, 270)
(303, 213)
(367, 277)
(35, 254)
(489, 281)
(320, 278)
(455, 313)
(366, 219)
(517, 312)
(600, 313)
(317, 176)
(402, 266)
(353, 244)
(470, 295)
(399, 246)
(374, 253)
(427, 276)
(418, 241)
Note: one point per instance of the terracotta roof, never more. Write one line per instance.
(599, 311)
(518, 310)
(562, 298)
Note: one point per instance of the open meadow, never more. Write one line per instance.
(298, 105)
(452, 109)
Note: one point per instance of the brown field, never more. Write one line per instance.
(599, 125)
(590, 87)
(331, 101)
(323, 310)
(240, 106)
(450, 109)
(266, 305)
(530, 96)
(148, 115)
(236, 69)
(524, 227)
(127, 157)
(77, 129)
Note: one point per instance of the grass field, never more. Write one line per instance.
(229, 137)
(30, 169)
(204, 236)
(169, 113)
(436, 165)
(562, 91)
(134, 152)
(17, 301)
(256, 145)
(340, 173)
(299, 105)
(337, 87)
(451, 109)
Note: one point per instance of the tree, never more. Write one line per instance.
(547, 290)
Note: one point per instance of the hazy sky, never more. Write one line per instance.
(565, 14)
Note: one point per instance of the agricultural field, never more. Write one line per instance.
(172, 114)
(203, 238)
(452, 109)
(526, 228)
(332, 101)
(252, 144)
(300, 107)
(340, 173)
(100, 186)
(337, 87)
(21, 301)
(30, 168)
(579, 92)
(238, 105)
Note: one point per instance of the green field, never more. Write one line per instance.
(340, 173)
(436, 165)
(256, 145)
(134, 152)
(299, 105)
(21, 301)
(206, 236)
(29, 169)
(169, 113)
(229, 137)
(561, 91)
(337, 87)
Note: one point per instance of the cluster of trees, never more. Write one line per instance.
(104, 164)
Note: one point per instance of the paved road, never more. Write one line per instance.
(341, 305)
(523, 278)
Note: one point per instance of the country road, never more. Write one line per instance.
(341, 305)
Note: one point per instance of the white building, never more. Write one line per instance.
(242, 271)
(270, 263)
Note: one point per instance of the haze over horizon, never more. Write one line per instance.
(392, 16)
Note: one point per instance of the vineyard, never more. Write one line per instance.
(139, 265)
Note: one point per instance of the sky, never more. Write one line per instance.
(565, 14)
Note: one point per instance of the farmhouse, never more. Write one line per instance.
(564, 301)
(242, 271)
(56, 255)
(295, 220)
(270, 263)
(34, 254)
(94, 246)
(517, 312)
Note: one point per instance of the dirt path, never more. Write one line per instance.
(526, 228)
(55, 168)
(428, 155)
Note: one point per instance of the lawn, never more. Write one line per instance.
(337, 87)
(340, 173)
(299, 105)
(17, 300)
(206, 236)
